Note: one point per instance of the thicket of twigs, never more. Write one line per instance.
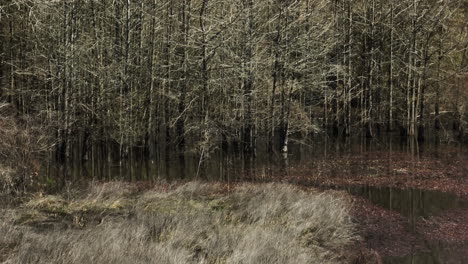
(24, 145)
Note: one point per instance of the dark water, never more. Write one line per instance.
(316, 156)
(412, 203)
(438, 254)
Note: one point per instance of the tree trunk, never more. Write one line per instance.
(247, 134)
(390, 109)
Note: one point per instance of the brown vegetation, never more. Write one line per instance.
(24, 144)
(192, 223)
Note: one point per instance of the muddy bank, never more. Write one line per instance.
(383, 230)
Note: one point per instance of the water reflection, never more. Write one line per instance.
(353, 156)
(412, 203)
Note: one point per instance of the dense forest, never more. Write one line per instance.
(110, 79)
(233, 131)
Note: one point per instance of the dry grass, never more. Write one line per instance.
(193, 223)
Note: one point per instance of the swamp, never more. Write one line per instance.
(234, 131)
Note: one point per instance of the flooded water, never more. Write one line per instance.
(317, 155)
(412, 203)
(310, 162)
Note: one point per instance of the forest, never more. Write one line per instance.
(115, 78)
(233, 131)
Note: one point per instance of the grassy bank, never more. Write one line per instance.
(191, 223)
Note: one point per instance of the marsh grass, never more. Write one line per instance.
(192, 223)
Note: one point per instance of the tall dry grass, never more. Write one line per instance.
(193, 223)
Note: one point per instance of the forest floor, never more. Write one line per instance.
(185, 223)
(443, 238)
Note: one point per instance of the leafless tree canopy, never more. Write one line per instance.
(113, 77)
